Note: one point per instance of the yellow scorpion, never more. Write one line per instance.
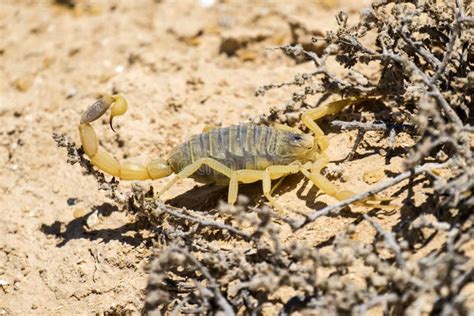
(243, 153)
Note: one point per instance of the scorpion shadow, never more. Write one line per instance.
(200, 198)
(77, 229)
(208, 197)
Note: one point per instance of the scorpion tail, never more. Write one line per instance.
(104, 160)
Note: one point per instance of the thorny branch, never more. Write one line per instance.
(389, 129)
(389, 239)
(200, 221)
(76, 155)
(335, 208)
(221, 301)
(375, 126)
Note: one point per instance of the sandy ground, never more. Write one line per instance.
(181, 66)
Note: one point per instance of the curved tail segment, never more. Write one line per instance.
(104, 160)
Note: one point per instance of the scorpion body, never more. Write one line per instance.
(242, 153)
(238, 147)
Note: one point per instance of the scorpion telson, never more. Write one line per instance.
(243, 153)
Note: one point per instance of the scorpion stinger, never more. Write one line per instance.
(105, 161)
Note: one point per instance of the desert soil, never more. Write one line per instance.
(181, 65)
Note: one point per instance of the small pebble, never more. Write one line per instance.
(4, 282)
(374, 176)
(79, 212)
(71, 92)
(119, 69)
(207, 3)
(23, 84)
(93, 219)
(72, 201)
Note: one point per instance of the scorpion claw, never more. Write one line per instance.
(97, 109)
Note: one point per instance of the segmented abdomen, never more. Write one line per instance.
(245, 146)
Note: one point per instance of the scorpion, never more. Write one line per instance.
(227, 156)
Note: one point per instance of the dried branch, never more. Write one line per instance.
(374, 126)
(198, 220)
(213, 285)
(450, 47)
(389, 239)
(362, 128)
(383, 300)
(76, 155)
(335, 208)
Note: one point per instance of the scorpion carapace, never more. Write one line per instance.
(238, 147)
(242, 153)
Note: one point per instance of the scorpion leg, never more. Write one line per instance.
(321, 181)
(267, 186)
(277, 184)
(330, 189)
(310, 116)
(267, 175)
(274, 172)
(192, 168)
(315, 175)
